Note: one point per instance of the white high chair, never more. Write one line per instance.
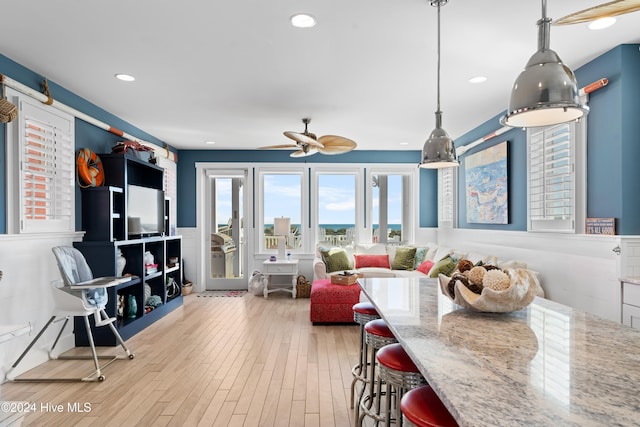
(81, 295)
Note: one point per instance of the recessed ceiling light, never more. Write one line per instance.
(210, 142)
(125, 77)
(478, 79)
(601, 23)
(303, 20)
(404, 143)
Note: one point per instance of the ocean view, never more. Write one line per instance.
(336, 227)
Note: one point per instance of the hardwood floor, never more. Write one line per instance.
(213, 362)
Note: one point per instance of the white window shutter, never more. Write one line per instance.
(46, 169)
(170, 189)
(446, 197)
(551, 153)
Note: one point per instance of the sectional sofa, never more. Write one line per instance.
(333, 303)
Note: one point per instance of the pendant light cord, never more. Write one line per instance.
(438, 78)
(438, 4)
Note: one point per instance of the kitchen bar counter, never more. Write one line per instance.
(545, 365)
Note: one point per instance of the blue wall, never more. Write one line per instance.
(517, 181)
(187, 174)
(87, 135)
(613, 175)
(630, 107)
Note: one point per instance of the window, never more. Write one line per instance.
(556, 173)
(392, 217)
(43, 169)
(170, 191)
(446, 196)
(281, 197)
(336, 208)
(334, 203)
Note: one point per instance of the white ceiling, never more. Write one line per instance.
(237, 73)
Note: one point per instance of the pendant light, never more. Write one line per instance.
(546, 92)
(439, 150)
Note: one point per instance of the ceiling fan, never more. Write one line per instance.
(307, 143)
(613, 8)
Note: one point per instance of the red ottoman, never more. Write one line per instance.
(333, 303)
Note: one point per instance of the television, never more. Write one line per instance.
(145, 211)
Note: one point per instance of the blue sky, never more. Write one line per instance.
(282, 196)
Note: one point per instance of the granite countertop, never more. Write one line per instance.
(545, 365)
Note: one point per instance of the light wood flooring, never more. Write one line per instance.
(213, 362)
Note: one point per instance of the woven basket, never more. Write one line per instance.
(8, 111)
(303, 287)
(187, 288)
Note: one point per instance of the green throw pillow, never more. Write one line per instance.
(404, 259)
(335, 259)
(447, 265)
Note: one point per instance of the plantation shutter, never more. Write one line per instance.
(170, 190)
(46, 169)
(446, 196)
(551, 154)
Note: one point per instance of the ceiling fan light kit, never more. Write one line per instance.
(439, 150)
(546, 92)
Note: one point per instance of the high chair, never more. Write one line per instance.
(78, 294)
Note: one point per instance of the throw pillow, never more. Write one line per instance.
(421, 254)
(405, 258)
(335, 259)
(446, 266)
(372, 261)
(425, 266)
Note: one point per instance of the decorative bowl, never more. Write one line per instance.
(522, 289)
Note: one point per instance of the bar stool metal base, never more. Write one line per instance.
(398, 383)
(371, 403)
(359, 370)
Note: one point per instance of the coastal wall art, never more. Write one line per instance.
(486, 179)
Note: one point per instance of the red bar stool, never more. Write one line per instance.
(363, 312)
(421, 407)
(400, 374)
(377, 335)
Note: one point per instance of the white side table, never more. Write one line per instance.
(279, 268)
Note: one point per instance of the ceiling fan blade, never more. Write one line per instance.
(301, 137)
(613, 8)
(303, 153)
(285, 146)
(333, 144)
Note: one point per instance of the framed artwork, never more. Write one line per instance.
(486, 175)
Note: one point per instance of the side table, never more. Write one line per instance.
(279, 268)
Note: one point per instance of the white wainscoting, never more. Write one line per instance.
(28, 267)
(581, 271)
(190, 257)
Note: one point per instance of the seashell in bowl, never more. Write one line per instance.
(522, 289)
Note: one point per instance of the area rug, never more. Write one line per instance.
(213, 294)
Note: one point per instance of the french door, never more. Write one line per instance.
(225, 257)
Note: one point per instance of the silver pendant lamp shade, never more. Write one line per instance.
(439, 151)
(546, 92)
